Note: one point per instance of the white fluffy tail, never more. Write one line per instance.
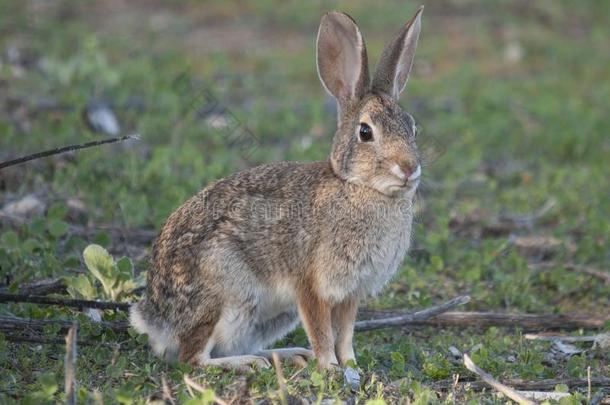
(161, 339)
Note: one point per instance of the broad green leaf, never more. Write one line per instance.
(57, 227)
(101, 264)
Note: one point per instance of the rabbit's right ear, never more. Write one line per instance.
(341, 58)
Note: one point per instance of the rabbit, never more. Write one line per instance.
(241, 263)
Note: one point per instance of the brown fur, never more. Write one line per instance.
(236, 264)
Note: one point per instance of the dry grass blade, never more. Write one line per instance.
(70, 365)
(497, 385)
(167, 392)
(197, 387)
(281, 381)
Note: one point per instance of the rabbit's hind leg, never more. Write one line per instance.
(196, 348)
(270, 331)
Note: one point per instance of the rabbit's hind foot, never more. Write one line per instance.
(238, 363)
(298, 355)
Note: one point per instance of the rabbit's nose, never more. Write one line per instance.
(406, 171)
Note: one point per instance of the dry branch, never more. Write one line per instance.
(19, 338)
(497, 385)
(411, 318)
(64, 149)
(70, 365)
(528, 322)
(65, 302)
(39, 287)
(528, 385)
(12, 324)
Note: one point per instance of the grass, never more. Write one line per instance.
(512, 99)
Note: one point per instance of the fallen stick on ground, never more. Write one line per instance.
(528, 322)
(42, 286)
(544, 395)
(65, 302)
(410, 318)
(497, 385)
(526, 385)
(19, 338)
(12, 324)
(70, 365)
(64, 149)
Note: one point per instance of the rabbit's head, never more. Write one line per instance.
(375, 141)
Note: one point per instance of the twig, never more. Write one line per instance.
(70, 365)
(411, 318)
(14, 324)
(526, 385)
(66, 302)
(39, 287)
(528, 322)
(570, 339)
(544, 395)
(64, 149)
(55, 341)
(504, 389)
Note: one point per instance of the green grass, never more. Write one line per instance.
(501, 135)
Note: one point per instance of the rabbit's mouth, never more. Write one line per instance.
(406, 183)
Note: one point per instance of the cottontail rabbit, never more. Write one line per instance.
(239, 264)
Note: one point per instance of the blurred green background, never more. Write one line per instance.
(511, 98)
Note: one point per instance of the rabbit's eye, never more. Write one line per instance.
(366, 132)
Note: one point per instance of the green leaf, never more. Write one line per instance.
(101, 264)
(80, 287)
(562, 388)
(48, 384)
(57, 227)
(125, 265)
(57, 211)
(10, 240)
(317, 379)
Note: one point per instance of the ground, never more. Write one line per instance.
(511, 98)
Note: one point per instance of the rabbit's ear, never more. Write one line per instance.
(341, 58)
(397, 58)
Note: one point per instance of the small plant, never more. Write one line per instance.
(116, 278)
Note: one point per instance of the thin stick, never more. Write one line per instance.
(14, 324)
(589, 383)
(56, 341)
(569, 339)
(64, 149)
(66, 302)
(526, 385)
(544, 395)
(39, 287)
(504, 389)
(411, 318)
(528, 322)
(70, 365)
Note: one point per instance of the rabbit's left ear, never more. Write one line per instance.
(397, 59)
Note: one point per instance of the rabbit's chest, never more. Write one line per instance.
(382, 248)
(383, 259)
